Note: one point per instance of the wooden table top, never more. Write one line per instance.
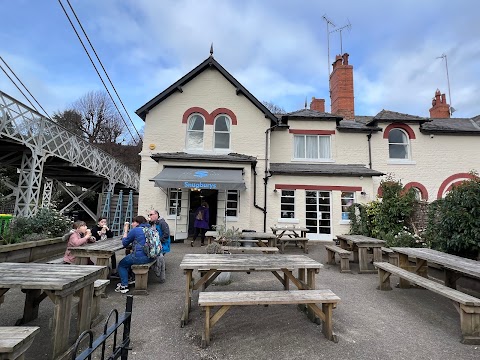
(452, 262)
(361, 240)
(12, 337)
(290, 228)
(251, 235)
(106, 247)
(46, 276)
(247, 262)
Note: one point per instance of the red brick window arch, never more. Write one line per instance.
(452, 180)
(399, 136)
(420, 190)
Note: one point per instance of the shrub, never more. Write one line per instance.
(454, 222)
(46, 223)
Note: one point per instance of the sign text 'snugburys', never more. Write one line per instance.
(200, 185)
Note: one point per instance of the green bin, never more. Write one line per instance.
(5, 223)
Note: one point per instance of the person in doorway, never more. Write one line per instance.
(136, 237)
(78, 237)
(202, 219)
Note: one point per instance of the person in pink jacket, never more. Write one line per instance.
(80, 236)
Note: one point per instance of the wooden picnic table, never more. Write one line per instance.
(102, 250)
(453, 266)
(290, 231)
(360, 245)
(256, 237)
(211, 265)
(58, 283)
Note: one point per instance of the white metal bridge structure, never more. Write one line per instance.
(46, 154)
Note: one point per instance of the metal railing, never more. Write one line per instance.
(117, 351)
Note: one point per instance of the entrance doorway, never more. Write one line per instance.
(196, 198)
(318, 214)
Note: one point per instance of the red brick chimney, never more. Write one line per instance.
(317, 104)
(341, 88)
(440, 109)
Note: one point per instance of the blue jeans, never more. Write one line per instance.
(126, 263)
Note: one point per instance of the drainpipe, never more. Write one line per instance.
(265, 179)
(369, 136)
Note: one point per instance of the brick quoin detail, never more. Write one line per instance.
(209, 118)
(311, 132)
(423, 189)
(451, 180)
(317, 187)
(408, 130)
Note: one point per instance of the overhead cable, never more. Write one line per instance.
(95, 67)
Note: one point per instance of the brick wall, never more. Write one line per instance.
(341, 88)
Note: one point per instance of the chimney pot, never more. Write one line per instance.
(341, 88)
(440, 109)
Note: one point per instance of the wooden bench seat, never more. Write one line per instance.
(141, 277)
(250, 250)
(468, 306)
(226, 299)
(15, 340)
(344, 257)
(283, 241)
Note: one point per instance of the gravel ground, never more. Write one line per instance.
(370, 324)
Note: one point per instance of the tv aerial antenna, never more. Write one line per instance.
(444, 56)
(329, 22)
(340, 29)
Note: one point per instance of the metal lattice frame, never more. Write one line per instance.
(117, 219)
(47, 192)
(29, 184)
(45, 138)
(78, 199)
(129, 211)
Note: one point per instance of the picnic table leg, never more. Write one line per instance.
(33, 299)
(188, 298)
(404, 264)
(206, 334)
(377, 254)
(81, 260)
(301, 277)
(450, 277)
(362, 259)
(104, 262)
(327, 326)
(61, 323)
(85, 308)
(311, 286)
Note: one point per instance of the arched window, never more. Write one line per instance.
(398, 144)
(196, 124)
(222, 132)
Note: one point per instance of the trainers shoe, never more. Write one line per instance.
(191, 244)
(121, 289)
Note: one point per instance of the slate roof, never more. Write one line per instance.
(387, 115)
(209, 63)
(322, 169)
(308, 114)
(232, 157)
(452, 126)
(356, 126)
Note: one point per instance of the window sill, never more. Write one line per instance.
(171, 217)
(401, 162)
(314, 160)
(232, 219)
(288, 221)
(344, 222)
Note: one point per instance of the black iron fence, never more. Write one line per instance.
(117, 351)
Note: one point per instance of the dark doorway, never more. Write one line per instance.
(196, 198)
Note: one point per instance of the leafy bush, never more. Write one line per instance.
(46, 223)
(404, 239)
(454, 222)
(389, 218)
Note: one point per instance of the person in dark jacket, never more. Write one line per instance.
(201, 224)
(102, 232)
(162, 228)
(136, 237)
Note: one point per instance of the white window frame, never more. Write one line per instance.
(344, 202)
(236, 208)
(229, 132)
(318, 158)
(405, 144)
(174, 194)
(283, 196)
(187, 142)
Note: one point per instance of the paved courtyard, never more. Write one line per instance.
(370, 324)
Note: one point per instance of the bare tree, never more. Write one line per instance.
(275, 109)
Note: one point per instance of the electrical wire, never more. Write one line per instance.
(101, 64)
(20, 81)
(95, 67)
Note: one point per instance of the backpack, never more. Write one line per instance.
(153, 246)
(199, 215)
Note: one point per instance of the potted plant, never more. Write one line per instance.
(225, 237)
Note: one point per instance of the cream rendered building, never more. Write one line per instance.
(207, 138)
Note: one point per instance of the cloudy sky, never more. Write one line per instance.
(276, 48)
